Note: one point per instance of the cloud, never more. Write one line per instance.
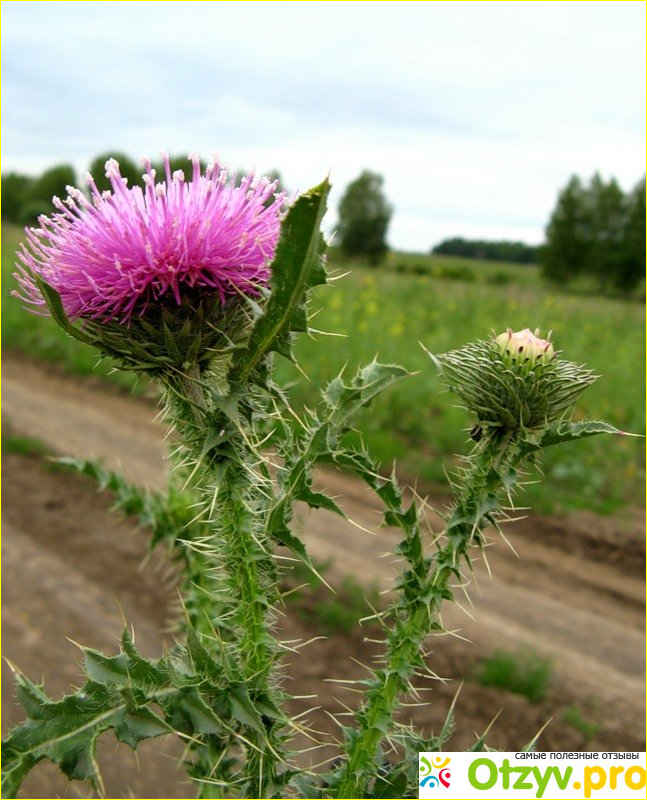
(475, 113)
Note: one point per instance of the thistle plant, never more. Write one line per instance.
(201, 285)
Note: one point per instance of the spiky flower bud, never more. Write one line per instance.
(514, 380)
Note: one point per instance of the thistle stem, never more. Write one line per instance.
(239, 564)
(250, 573)
(423, 586)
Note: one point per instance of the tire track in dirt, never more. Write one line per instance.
(576, 594)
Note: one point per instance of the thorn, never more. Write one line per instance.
(333, 718)
(457, 635)
(487, 565)
(506, 540)
(534, 739)
(491, 723)
(464, 610)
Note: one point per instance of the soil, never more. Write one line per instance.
(574, 594)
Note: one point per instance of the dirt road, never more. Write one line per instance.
(575, 594)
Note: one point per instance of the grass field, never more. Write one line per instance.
(443, 303)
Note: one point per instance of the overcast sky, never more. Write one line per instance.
(476, 113)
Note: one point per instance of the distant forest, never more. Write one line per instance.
(596, 231)
(515, 252)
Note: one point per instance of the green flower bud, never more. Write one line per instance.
(514, 380)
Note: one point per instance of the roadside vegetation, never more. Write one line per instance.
(525, 673)
(440, 301)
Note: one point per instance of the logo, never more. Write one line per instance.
(434, 771)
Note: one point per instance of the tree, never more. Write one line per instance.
(15, 192)
(631, 267)
(364, 216)
(127, 167)
(607, 220)
(568, 242)
(53, 182)
(598, 231)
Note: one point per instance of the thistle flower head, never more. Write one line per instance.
(112, 256)
(514, 380)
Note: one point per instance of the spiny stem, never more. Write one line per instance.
(238, 562)
(244, 559)
(250, 575)
(415, 613)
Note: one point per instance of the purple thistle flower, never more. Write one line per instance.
(112, 255)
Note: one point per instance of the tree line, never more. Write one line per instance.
(502, 250)
(25, 197)
(595, 231)
(598, 231)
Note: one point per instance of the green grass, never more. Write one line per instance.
(573, 716)
(30, 447)
(523, 673)
(14, 444)
(386, 313)
(442, 267)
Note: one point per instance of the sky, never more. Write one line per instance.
(475, 113)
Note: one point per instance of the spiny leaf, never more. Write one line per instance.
(243, 709)
(188, 712)
(64, 731)
(393, 783)
(14, 774)
(55, 307)
(319, 443)
(297, 267)
(121, 693)
(203, 664)
(568, 432)
(321, 500)
(280, 532)
(106, 669)
(371, 380)
(365, 468)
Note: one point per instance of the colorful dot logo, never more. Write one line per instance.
(434, 772)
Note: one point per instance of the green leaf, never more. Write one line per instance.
(297, 267)
(393, 784)
(55, 307)
(188, 712)
(123, 693)
(371, 380)
(106, 669)
(14, 774)
(318, 442)
(568, 432)
(203, 664)
(279, 531)
(243, 709)
(140, 724)
(64, 731)
(321, 500)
